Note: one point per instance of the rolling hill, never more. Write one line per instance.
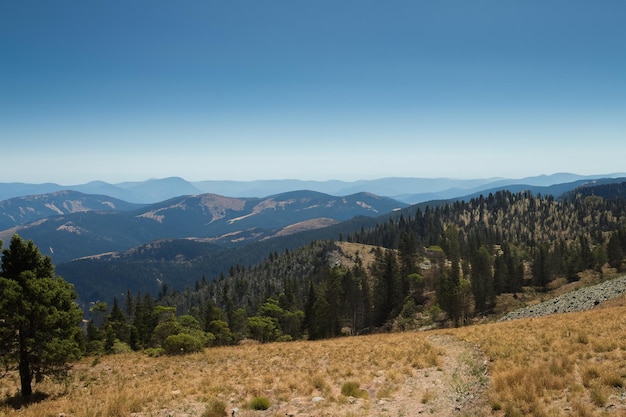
(22, 210)
(224, 220)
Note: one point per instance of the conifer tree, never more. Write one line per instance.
(482, 279)
(39, 326)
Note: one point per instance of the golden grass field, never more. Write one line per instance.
(560, 365)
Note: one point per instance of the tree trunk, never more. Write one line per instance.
(25, 375)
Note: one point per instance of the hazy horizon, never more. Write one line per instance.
(347, 182)
(204, 90)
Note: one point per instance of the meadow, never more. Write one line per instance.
(560, 365)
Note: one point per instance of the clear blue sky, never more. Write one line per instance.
(314, 90)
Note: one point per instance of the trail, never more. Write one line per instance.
(454, 388)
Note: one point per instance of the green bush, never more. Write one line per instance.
(260, 403)
(95, 347)
(154, 352)
(179, 344)
(120, 347)
(351, 389)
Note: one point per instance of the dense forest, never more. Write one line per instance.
(430, 266)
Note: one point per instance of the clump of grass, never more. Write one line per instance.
(214, 408)
(386, 391)
(427, 396)
(598, 396)
(352, 389)
(259, 403)
(613, 379)
(318, 382)
(496, 406)
(591, 373)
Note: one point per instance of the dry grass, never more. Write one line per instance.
(561, 365)
(283, 372)
(568, 364)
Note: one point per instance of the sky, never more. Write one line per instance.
(314, 90)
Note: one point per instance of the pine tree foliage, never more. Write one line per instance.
(39, 319)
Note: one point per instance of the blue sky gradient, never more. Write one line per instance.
(243, 90)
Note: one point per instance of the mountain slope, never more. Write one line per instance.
(536, 185)
(22, 210)
(229, 221)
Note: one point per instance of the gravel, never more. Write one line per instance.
(582, 299)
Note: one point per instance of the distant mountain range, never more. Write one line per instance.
(21, 210)
(74, 231)
(105, 244)
(407, 190)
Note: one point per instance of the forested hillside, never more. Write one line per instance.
(427, 266)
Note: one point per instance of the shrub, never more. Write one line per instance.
(260, 403)
(95, 347)
(214, 408)
(178, 344)
(154, 352)
(351, 389)
(120, 347)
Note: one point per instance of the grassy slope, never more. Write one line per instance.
(569, 364)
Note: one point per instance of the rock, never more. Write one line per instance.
(317, 399)
(579, 300)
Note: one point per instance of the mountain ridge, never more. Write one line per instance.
(398, 188)
(22, 210)
(172, 260)
(225, 220)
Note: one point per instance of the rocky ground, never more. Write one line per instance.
(579, 300)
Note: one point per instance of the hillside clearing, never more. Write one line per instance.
(395, 375)
(558, 365)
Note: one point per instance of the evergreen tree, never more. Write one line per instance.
(116, 328)
(449, 295)
(541, 265)
(615, 254)
(482, 280)
(144, 321)
(449, 282)
(388, 288)
(40, 329)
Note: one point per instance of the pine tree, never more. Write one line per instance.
(482, 279)
(40, 329)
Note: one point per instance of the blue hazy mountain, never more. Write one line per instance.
(408, 190)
